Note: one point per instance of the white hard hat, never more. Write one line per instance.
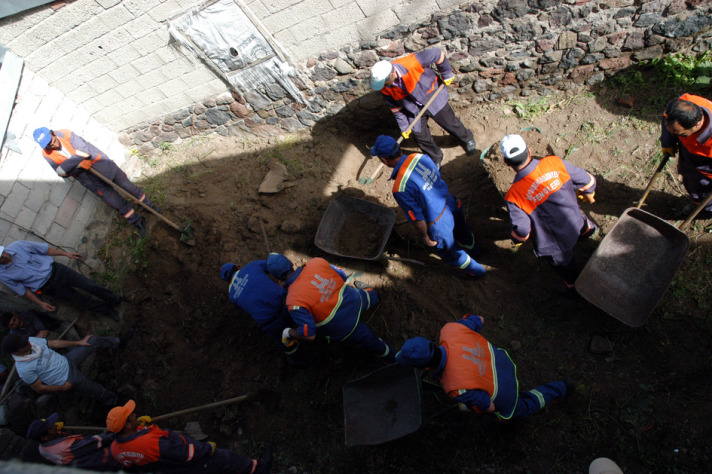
(379, 73)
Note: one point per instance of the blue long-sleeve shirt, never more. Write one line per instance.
(30, 267)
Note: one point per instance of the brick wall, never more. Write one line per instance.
(115, 58)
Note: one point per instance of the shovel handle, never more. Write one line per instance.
(410, 127)
(203, 407)
(126, 194)
(653, 178)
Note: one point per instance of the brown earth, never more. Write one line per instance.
(644, 404)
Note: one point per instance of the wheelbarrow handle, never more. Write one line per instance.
(125, 193)
(663, 162)
(407, 130)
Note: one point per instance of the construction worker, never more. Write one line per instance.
(27, 268)
(80, 451)
(435, 214)
(150, 448)
(543, 205)
(255, 292)
(687, 129)
(70, 155)
(320, 302)
(47, 371)
(407, 84)
(476, 374)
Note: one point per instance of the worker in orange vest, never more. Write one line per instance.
(70, 155)
(476, 374)
(687, 129)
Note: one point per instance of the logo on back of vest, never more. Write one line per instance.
(475, 355)
(428, 175)
(325, 286)
(239, 284)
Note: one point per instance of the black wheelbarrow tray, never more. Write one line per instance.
(633, 266)
(355, 228)
(382, 406)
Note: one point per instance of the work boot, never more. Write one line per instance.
(362, 285)
(266, 458)
(471, 147)
(141, 226)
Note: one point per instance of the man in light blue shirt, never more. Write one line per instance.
(47, 371)
(28, 268)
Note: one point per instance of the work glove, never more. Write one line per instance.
(59, 425)
(448, 81)
(669, 151)
(143, 420)
(406, 134)
(586, 197)
(212, 447)
(287, 340)
(84, 164)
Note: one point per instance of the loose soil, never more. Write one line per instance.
(644, 404)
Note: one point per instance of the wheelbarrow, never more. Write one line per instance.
(635, 263)
(382, 406)
(356, 228)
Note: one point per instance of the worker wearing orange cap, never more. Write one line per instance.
(150, 448)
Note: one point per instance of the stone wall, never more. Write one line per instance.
(506, 47)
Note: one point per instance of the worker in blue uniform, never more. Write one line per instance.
(476, 374)
(435, 213)
(252, 290)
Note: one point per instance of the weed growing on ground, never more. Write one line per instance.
(530, 110)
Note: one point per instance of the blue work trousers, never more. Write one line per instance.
(455, 238)
(531, 401)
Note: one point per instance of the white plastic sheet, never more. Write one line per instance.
(224, 35)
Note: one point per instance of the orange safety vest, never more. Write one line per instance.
(690, 143)
(318, 289)
(65, 138)
(534, 189)
(413, 72)
(470, 361)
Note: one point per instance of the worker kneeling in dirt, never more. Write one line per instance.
(80, 451)
(434, 212)
(542, 204)
(149, 448)
(320, 301)
(478, 375)
(252, 290)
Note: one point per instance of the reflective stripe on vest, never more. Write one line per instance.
(318, 289)
(534, 189)
(405, 171)
(690, 143)
(470, 361)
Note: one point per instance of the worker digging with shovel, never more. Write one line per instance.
(72, 156)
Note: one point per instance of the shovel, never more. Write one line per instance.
(368, 181)
(187, 234)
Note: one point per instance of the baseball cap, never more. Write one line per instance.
(227, 271)
(385, 146)
(38, 428)
(278, 266)
(116, 419)
(42, 136)
(14, 342)
(379, 73)
(416, 352)
(514, 149)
